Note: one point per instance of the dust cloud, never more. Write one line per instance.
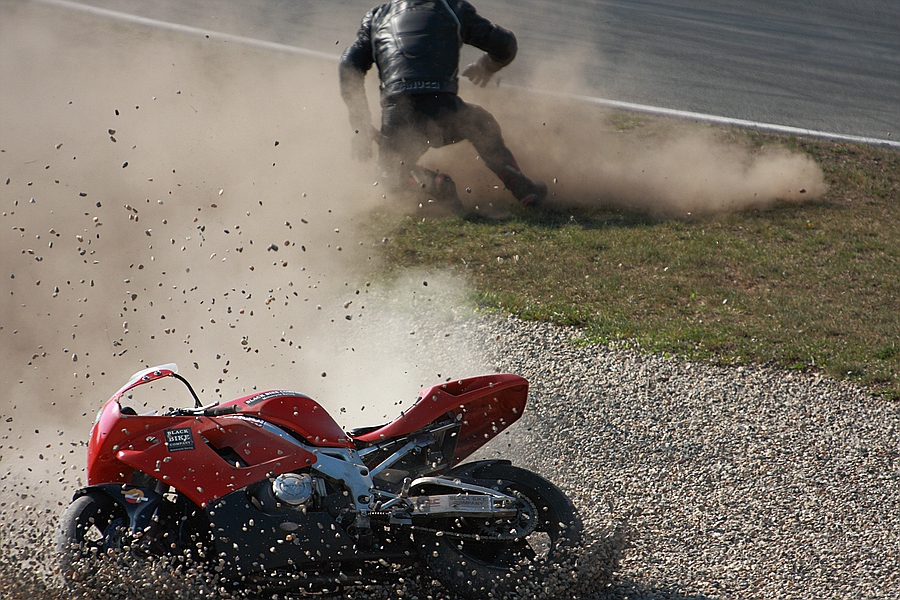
(173, 199)
(592, 157)
(169, 198)
(677, 171)
(598, 158)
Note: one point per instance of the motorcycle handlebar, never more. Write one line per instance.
(217, 411)
(214, 411)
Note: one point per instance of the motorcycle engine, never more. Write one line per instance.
(293, 488)
(288, 492)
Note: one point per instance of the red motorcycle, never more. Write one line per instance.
(269, 493)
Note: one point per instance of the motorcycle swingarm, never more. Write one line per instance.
(461, 505)
(476, 501)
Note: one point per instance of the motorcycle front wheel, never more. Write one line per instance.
(92, 525)
(466, 555)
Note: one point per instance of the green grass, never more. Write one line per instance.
(811, 286)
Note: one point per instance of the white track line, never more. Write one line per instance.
(742, 123)
(206, 33)
(628, 106)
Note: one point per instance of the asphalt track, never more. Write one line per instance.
(826, 67)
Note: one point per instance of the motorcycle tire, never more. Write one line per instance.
(472, 567)
(92, 525)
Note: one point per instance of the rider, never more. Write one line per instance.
(416, 46)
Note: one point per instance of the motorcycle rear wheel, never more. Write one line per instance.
(92, 525)
(475, 567)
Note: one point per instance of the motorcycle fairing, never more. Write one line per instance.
(188, 453)
(252, 541)
(494, 402)
(296, 412)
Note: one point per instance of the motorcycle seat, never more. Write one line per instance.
(364, 430)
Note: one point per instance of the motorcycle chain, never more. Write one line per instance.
(469, 536)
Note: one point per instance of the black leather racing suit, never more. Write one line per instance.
(415, 44)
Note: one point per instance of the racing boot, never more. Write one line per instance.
(439, 186)
(529, 193)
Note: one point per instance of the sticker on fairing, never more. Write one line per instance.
(179, 439)
(271, 394)
(135, 496)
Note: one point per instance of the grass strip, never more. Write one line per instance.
(804, 286)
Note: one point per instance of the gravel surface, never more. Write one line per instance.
(743, 482)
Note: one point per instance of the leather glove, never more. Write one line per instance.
(481, 71)
(361, 144)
